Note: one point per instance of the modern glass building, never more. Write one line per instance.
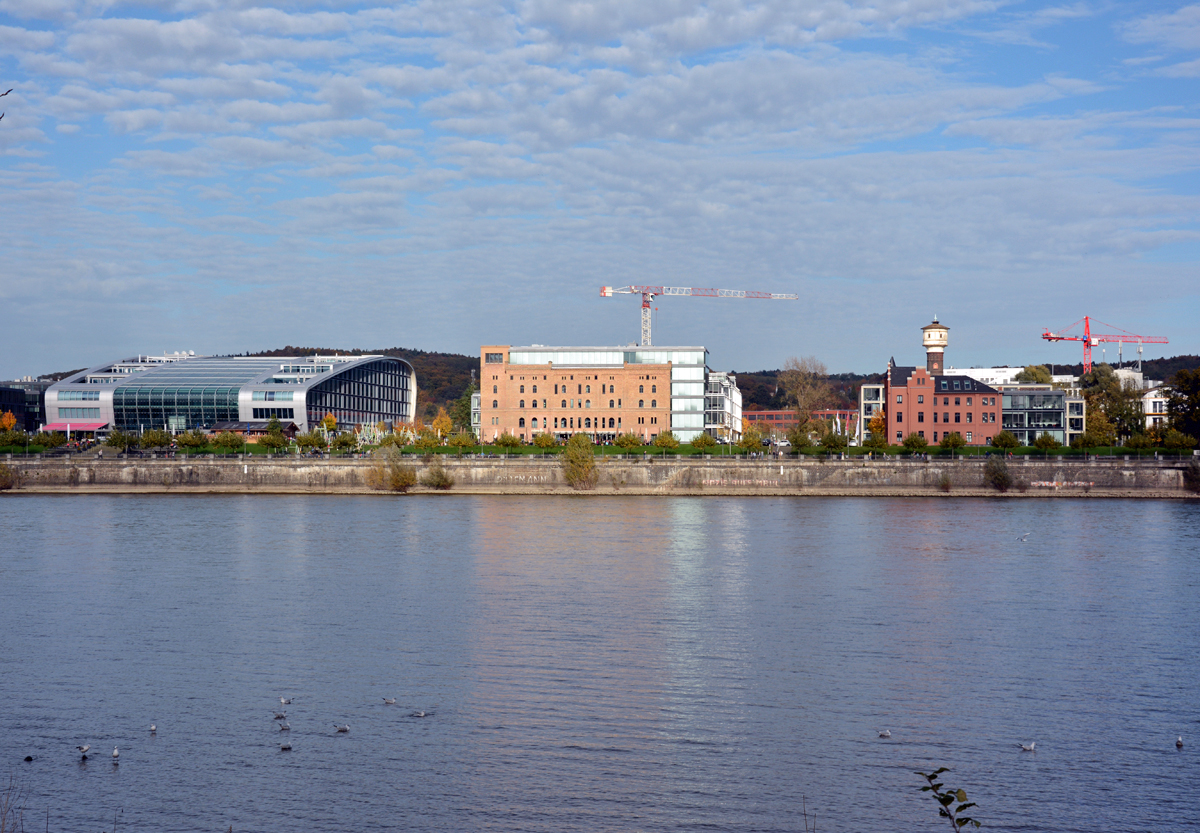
(180, 392)
(1031, 410)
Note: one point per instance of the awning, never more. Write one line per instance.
(75, 426)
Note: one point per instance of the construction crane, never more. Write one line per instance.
(648, 292)
(1091, 339)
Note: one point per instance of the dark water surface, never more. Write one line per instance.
(656, 664)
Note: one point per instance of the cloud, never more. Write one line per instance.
(1179, 29)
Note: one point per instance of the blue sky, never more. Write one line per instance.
(223, 177)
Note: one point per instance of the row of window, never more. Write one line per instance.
(987, 416)
(986, 401)
(582, 389)
(970, 437)
(568, 423)
(272, 395)
(612, 403)
(79, 396)
(267, 413)
(78, 413)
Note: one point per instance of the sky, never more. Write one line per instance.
(227, 177)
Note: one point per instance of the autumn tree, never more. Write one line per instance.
(703, 442)
(1035, 373)
(442, 424)
(154, 438)
(461, 440)
(229, 441)
(805, 381)
(545, 441)
(7, 421)
(329, 423)
(877, 432)
(667, 441)
(1046, 442)
(914, 443)
(507, 441)
(751, 439)
(628, 440)
(579, 462)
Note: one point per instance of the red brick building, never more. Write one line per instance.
(933, 406)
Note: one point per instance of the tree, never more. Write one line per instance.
(329, 423)
(914, 443)
(1005, 441)
(436, 476)
(507, 441)
(1035, 373)
(460, 411)
(1046, 442)
(310, 440)
(442, 424)
(50, 440)
(806, 382)
(751, 438)
(952, 441)
(461, 440)
(273, 440)
(229, 441)
(579, 462)
(628, 440)
(799, 438)
(121, 440)
(1178, 441)
(345, 441)
(545, 440)
(1183, 405)
(833, 441)
(389, 474)
(1139, 442)
(155, 438)
(703, 442)
(12, 438)
(427, 440)
(274, 426)
(7, 422)
(996, 474)
(877, 431)
(191, 439)
(1100, 429)
(667, 441)
(946, 798)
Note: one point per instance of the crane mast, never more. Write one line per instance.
(648, 293)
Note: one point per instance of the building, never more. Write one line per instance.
(599, 391)
(932, 406)
(1154, 406)
(12, 401)
(723, 407)
(1031, 410)
(34, 391)
(990, 376)
(180, 391)
(778, 423)
(870, 401)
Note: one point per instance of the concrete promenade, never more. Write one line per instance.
(1033, 477)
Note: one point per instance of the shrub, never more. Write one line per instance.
(507, 441)
(703, 442)
(192, 440)
(996, 475)
(388, 474)
(799, 438)
(833, 441)
(628, 440)
(121, 440)
(8, 477)
(667, 440)
(51, 440)
(945, 483)
(310, 440)
(545, 440)
(915, 443)
(751, 438)
(1005, 440)
(12, 438)
(1178, 441)
(1046, 442)
(875, 442)
(1140, 441)
(436, 476)
(579, 463)
(346, 441)
(229, 441)
(273, 440)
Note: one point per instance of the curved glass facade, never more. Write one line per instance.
(365, 394)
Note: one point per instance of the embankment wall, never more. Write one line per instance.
(523, 475)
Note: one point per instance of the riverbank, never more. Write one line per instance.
(632, 476)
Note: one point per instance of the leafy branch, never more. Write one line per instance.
(947, 797)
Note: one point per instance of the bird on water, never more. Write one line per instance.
(1024, 539)
(281, 715)
(153, 729)
(1028, 747)
(116, 754)
(342, 729)
(286, 746)
(284, 727)
(287, 701)
(886, 733)
(390, 701)
(1179, 742)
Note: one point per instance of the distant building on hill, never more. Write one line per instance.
(181, 391)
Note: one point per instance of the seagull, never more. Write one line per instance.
(1179, 742)
(153, 729)
(418, 714)
(1028, 747)
(83, 750)
(116, 754)
(287, 701)
(283, 727)
(286, 746)
(391, 701)
(342, 729)
(1024, 538)
(281, 715)
(886, 733)
(5, 93)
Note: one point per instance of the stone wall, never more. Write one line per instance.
(523, 475)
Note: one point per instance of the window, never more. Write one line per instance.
(945, 400)
(921, 399)
(968, 402)
(493, 358)
(899, 399)
(610, 403)
(602, 390)
(556, 422)
(495, 388)
(533, 423)
(653, 403)
(900, 417)
(543, 403)
(535, 388)
(935, 416)
(970, 436)
(958, 416)
(945, 385)
(589, 389)
(580, 388)
(564, 403)
(269, 396)
(86, 396)
(522, 403)
(957, 401)
(533, 403)
(521, 422)
(899, 436)
(587, 404)
(641, 388)
(612, 423)
(921, 434)
(267, 413)
(587, 423)
(83, 413)
(935, 433)
(495, 403)
(956, 384)
(920, 416)
(969, 415)
(945, 417)
(641, 403)
(522, 388)
(654, 388)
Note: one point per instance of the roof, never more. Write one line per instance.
(900, 375)
(251, 426)
(75, 426)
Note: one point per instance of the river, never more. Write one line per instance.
(596, 664)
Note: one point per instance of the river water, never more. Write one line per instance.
(595, 664)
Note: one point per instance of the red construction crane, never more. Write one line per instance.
(648, 292)
(1091, 339)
